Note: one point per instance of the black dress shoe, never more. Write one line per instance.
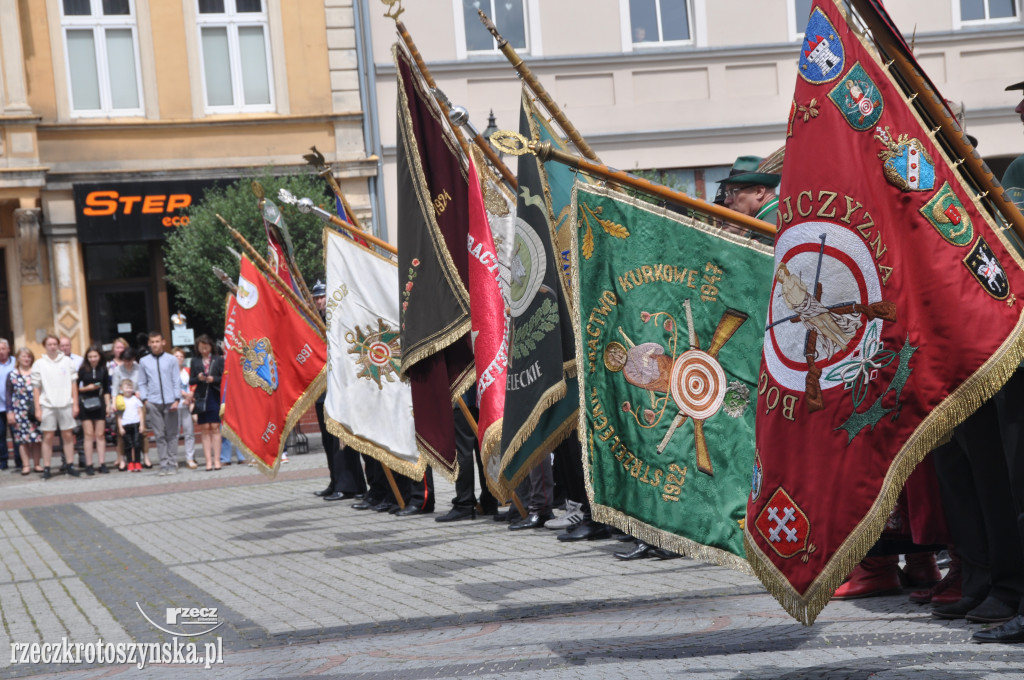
(457, 513)
(340, 496)
(324, 492)
(383, 506)
(639, 551)
(511, 515)
(663, 554)
(535, 520)
(70, 470)
(587, 530)
(1011, 631)
(410, 509)
(623, 538)
(992, 610)
(365, 504)
(957, 610)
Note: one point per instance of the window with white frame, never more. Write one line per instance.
(979, 11)
(509, 17)
(235, 47)
(800, 12)
(102, 57)
(660, 21)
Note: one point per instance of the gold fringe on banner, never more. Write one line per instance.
(935, 429)
(932, 431)
(603, 513)
(413, 471)
(459, 327)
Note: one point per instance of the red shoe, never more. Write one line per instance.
(946, 591)
(874, 576)
(921, 570)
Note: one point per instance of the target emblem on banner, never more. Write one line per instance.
(698, 384)
(379, 354)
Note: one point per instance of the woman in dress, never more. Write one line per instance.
(93, 404)
(21, 411)
(205, 373)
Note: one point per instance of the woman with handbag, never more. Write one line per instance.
(93, 401)
(205, 373)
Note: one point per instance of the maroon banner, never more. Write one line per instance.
(893, 316)
(433, 221)
(277, 363)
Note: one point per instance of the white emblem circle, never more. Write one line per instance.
(248, 294)
(839, 285)
(529, 263)
(697, 384)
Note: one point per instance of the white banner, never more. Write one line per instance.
(369, 407)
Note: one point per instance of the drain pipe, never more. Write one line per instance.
(371, 119)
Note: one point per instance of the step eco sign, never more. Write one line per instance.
(135, 211)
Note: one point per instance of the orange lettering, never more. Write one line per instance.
(129, 201)
(175, 201)
(153, 204)
(99, 203)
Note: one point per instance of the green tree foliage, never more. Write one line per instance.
(192, 251)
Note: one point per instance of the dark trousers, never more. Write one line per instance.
(1010, 405)
(3, 444)
(975, 485)
(467, 451)
(342, 461)
(569, 469)
(331, 445)
(377, 482)
(422, 492)
(132, 443)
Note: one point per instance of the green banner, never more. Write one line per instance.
(669, 324)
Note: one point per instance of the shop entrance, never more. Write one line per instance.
(122, 290)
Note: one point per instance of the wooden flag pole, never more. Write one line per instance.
(927, 100)
(546, 151)
(531, 81)
(394, 486)
(478, 139)
(265, 267)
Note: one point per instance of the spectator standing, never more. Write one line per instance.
(131, 422)
(93, 404)
(186, 424)
(159, 387)
(6, 367)
(21, 411)
(55, 396)
(205, 373)
(128, 369)
(65, 347)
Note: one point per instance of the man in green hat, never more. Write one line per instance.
(750, 189)
(1013, 178)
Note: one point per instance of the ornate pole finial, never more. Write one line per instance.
(395, 9)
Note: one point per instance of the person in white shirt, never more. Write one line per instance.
(55, 393)
(65, 346)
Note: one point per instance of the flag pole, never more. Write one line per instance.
(546, 151)
(306, 205)
(478, 139)
(307, 296)
(927, 99)
(264, 266)
(531, 81)
(323, 168)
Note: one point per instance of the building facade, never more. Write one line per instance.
(116, 114)
(686, 86)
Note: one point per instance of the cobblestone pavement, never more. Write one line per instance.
(305, 588)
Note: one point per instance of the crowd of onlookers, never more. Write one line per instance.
(121, 400)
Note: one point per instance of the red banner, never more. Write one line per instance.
(893, 315)
(490, 320)
(277, 363)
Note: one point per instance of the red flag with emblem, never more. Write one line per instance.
(893, 316)
(277, 363)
